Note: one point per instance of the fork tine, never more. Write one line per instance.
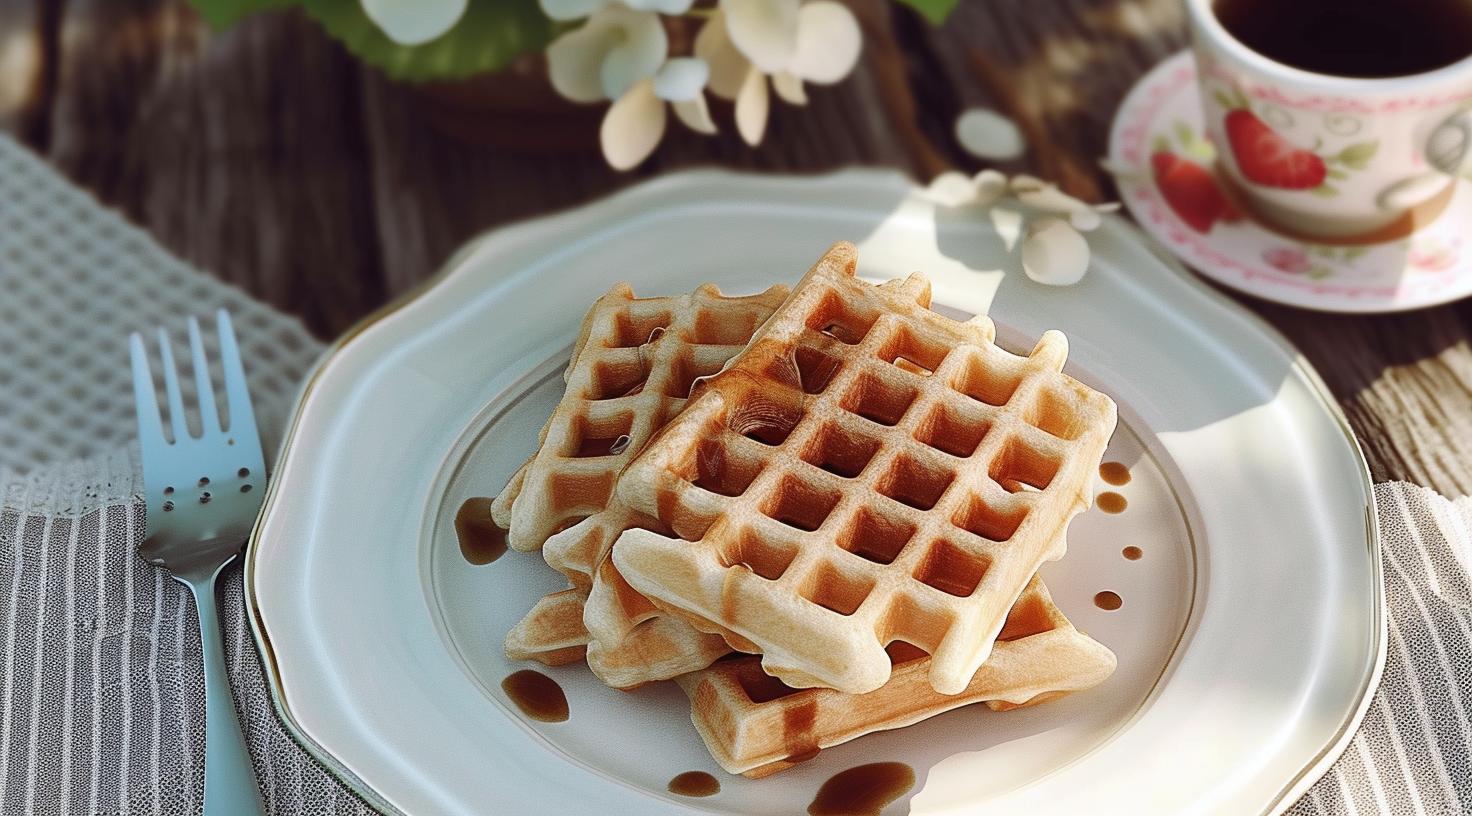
(145, 401)
(171, 388)
(209, 416)
(237, 393)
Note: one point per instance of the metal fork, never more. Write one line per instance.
(203, 495)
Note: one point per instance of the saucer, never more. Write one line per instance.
(1162, 113)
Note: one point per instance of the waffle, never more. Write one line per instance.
(866, 471)
(755, 725)
(631, 369)
(553, 633)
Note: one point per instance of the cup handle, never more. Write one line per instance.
(1449, 147)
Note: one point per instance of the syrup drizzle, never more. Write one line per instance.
(1114, 473)
(864, 790)
(537, 695)
(1111, 502)
(695, 783)
(481, 541)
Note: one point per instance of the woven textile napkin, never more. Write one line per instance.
(101, 690)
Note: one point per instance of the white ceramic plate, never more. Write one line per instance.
(1251, 631)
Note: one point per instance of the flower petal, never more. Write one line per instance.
(571, 9)
(727, 66)
(681, 79)
(633, 126)
(989, 134)
(951, 189)
(695, 114)
(789, 87)
(1086, 220)
(1054, 253)
(752, 105)
(661, 6)
(1008, 224)
(765, 31)
(990, 186)
(828, 42)
(639, 48)
(574, 60)
(411, 22)
(1051, 200)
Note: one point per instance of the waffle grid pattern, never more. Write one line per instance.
(867, 471)
(630, 371)
(755, 725)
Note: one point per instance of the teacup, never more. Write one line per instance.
(1332, 156)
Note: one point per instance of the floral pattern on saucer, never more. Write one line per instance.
(1164, 166)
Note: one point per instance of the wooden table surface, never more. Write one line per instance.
(267, 155)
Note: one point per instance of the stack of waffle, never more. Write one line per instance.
(849, 489)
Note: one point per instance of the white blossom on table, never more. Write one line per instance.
(411, 22)
(749, 42)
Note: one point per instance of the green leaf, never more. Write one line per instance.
(1337, 174)
(1319, 272)
(1222, 99)
(1160, 144)
(222, 13)
(1357, 156)
(489, 35)
(936, 11)
(1354, 252)
(1324, 191)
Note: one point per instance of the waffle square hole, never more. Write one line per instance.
(912, 482)
(633, 330)
(1029, 616)
(723, 327)
(613, 379)
(951, 569)
(799, 504)
(759, 686)
(832, 589)
(607, 436)
(681, 379)
(879, 401)
(840, 451)
(1055, 415)
(840, 320)
(988, 382)
(873, 537)
(815, 369)
(766, 420)
(766, 558)
(807, 369)
(912, 352)
(949, 431)
(717, 471)
(901, 652)
(979, 518)
(1020, 467)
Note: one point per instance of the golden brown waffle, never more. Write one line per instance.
(663, 647)
(755, 725)
(630, 371)
(866, 471)
(612, 386)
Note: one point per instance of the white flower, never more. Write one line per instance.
(1047, 222)
(745, 41)
(990, 135)
(635, 123)
(411, 22)
(577, 9)
(611, 52)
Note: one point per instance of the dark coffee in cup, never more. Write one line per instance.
(1353, 38)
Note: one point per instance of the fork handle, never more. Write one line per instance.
(229, 779)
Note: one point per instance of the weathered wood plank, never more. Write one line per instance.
(242, 151)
